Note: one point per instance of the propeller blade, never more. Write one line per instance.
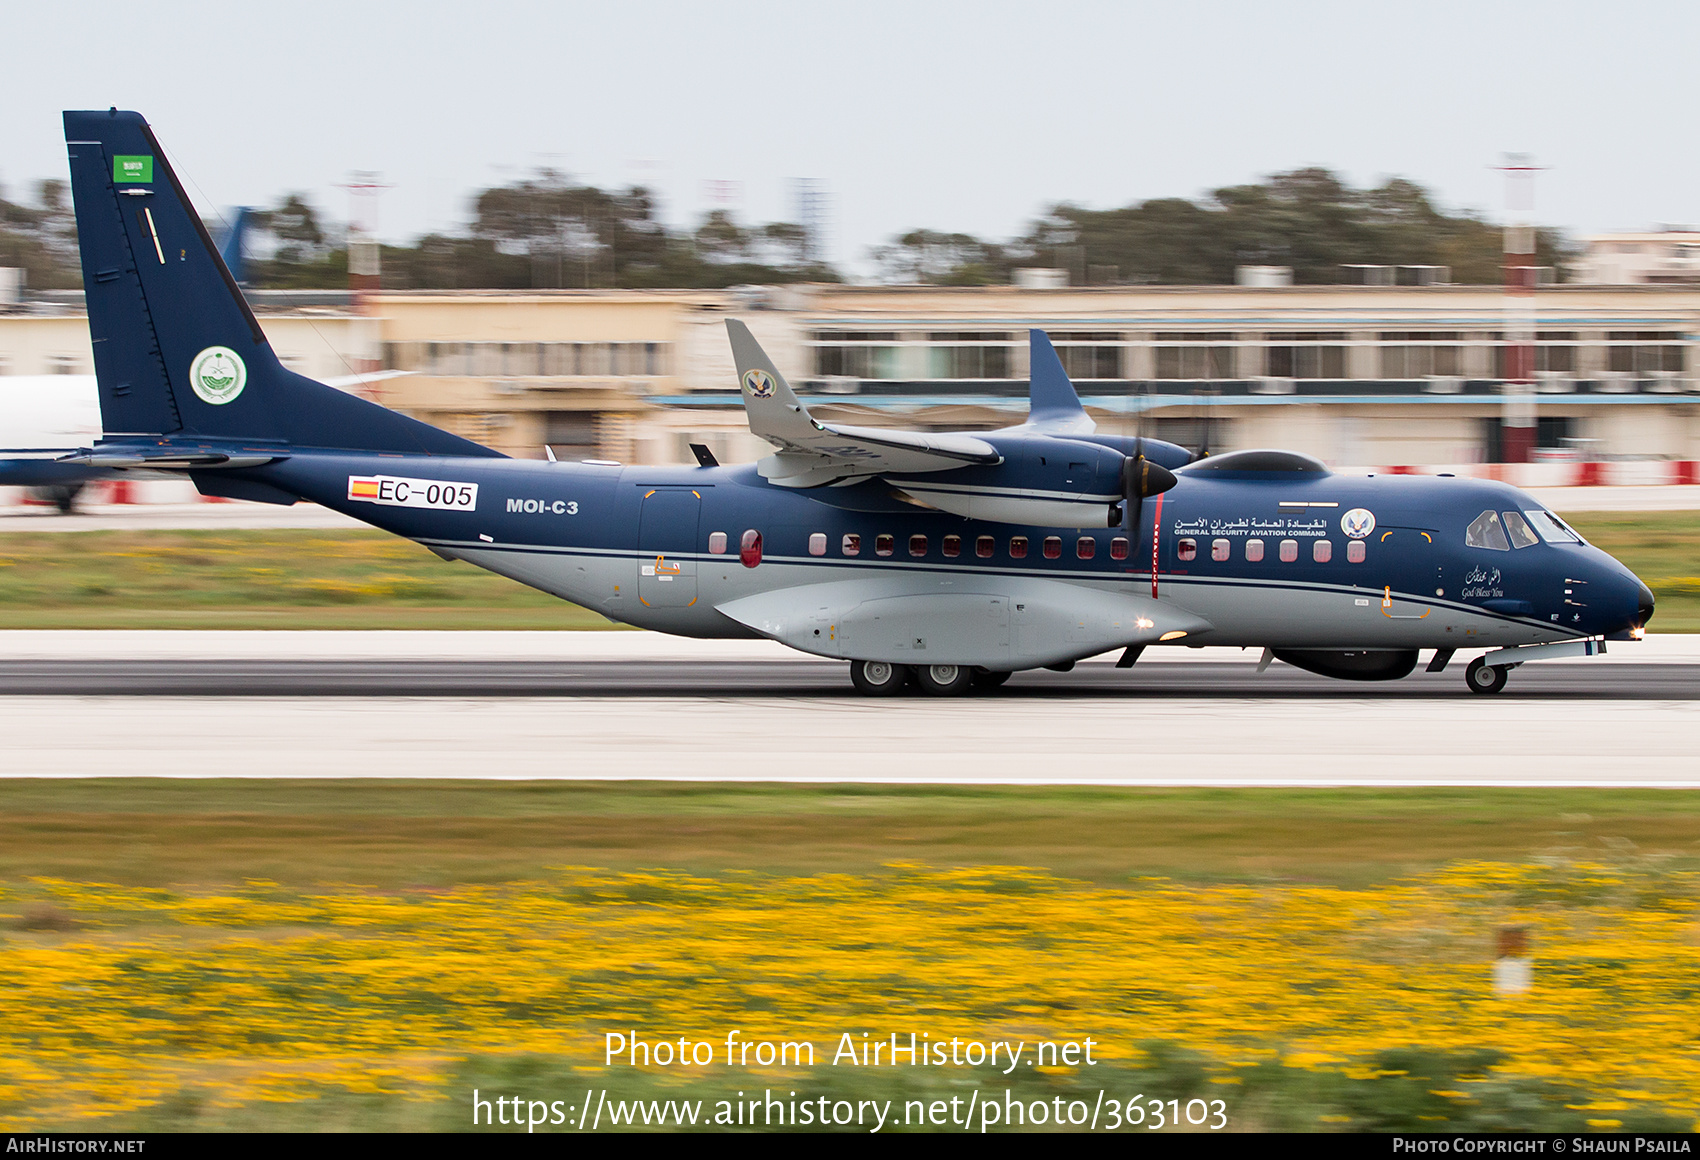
(1131, 503)
(1204, 439)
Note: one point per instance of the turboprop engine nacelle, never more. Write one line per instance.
(1042, 480)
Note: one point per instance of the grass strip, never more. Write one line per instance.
(211, 832)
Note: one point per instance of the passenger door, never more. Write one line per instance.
(667, 538)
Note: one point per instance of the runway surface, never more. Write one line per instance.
(826, 680)
(1194, 720)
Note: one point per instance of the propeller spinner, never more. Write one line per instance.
(1140, 478)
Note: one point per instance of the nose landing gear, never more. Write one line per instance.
(1485, 678)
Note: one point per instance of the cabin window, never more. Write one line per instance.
(1118, 548)
(852, 545)
(1018, 547)
(1254, 550)
(1484, 532)
(717, 543)
(749, 548)
(1289, 551)
(1355, 552)
(1186, 549)
(952, 546)
(1219, 550)
(884, 543)
(1322, 551)
(1553, 530)
(1085, 547)
(1053, 547)
(984, 547)
(817, 544)
(1522, 535)
(917, 545)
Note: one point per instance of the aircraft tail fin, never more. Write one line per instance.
(177, 351)
(1052, 405)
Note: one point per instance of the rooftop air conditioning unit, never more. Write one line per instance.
(1423, 275)
(1554, 382)
(1263, 276)
(1444, 384)
(1359, 274)
(1269, 385)
(1040, 278)
(752, 297)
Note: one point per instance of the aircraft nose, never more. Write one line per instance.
(1629, 592)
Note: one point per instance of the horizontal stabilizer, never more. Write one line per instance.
(166, 460)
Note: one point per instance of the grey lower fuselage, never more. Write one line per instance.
(600, 537)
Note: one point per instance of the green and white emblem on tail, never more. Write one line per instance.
(218, 375)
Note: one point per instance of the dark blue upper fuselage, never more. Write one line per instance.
(1249, 531)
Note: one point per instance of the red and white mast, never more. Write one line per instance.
(1517, 413)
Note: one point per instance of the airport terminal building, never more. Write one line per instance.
(1356, 375)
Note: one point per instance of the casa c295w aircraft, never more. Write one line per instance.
(943, 561)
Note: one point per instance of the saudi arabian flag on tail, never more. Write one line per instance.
(132, 168)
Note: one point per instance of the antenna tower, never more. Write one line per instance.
(810, 210)
(1518, 427)
(364, 189)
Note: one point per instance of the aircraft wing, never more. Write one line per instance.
(812, 454)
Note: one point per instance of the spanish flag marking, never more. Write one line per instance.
(362, 488)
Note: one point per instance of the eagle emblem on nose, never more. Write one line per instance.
(758, 383)
(1358, 523)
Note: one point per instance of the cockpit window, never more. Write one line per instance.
(1522, 536)
(1552, 529)
(1485, 532)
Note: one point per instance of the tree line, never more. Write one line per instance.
(547, 231)
(1309, 220)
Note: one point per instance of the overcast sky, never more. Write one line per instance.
(970, 116)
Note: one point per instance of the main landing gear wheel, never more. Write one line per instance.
(1485, 678)
(984, 679)
(878, 678)
(943, 680)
